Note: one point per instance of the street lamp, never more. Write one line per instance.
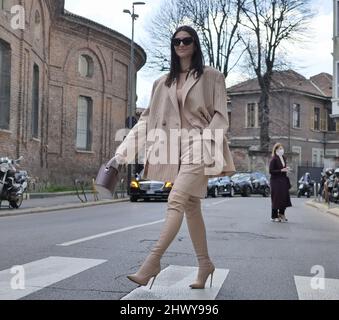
(131, 77)
(131, 86)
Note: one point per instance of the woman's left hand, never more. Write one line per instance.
(115, 161)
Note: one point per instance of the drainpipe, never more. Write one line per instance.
(289, 122)
(20, 92)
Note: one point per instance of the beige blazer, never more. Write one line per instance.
(204, 106)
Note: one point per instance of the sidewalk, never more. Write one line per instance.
(54, 202)
(333, 209)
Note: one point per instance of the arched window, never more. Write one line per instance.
(37, 26)
(86, 66)
(5, 84)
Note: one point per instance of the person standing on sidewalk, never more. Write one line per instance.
(280, 184)
(192, 97)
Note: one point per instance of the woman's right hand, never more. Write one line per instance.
(284, 170)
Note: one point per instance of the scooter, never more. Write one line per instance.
(335, 190)
(330, 186)
(304, 189)
(13, 183)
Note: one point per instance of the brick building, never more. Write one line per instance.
(63, 89)
(335, 54)
(300, 112)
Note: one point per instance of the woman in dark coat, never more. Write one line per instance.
(280, 184)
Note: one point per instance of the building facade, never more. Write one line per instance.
(63, 89)
(300, 112)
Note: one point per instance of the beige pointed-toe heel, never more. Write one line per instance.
(142, 281)
(203, 275)
(146, 272)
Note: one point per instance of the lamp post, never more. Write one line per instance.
(131, 82)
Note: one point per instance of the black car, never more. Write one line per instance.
(220, 186)
(247, 183)
(225, 187)
(149, 189)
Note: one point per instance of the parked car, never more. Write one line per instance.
(225, 187)
(149, 189)
(247, 183)
(220, 186)
(212, 187)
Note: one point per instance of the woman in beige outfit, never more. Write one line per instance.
(191, 98)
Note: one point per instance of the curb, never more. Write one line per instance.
(323, 207)
(12, 213)
(43, 195)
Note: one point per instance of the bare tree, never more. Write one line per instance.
(216, 21)
(160, 29)
(267, 25)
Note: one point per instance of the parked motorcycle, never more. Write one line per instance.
(335, 189)
(305, 186)
(13, 183)
(304, 189)
(328, 184)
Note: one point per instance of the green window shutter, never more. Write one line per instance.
(5, 84)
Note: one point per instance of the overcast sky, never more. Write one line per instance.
(309, 58)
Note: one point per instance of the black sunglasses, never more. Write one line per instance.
(186, 41)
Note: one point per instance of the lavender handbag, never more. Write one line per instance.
(107, 179)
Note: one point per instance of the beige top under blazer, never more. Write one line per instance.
(204, 105)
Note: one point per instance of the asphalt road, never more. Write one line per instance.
(262, 257)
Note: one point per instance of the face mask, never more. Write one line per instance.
(280, 152)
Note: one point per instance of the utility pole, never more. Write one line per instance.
(131, 111)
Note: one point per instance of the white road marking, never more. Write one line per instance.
(330, 291)
(42, 273)
(105, 234)
(215, 203)
(173, 284)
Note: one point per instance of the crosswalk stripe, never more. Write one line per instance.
(310, 288)
(173, 284)
(108, 233)
(40, 274)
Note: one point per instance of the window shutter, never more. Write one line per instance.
(247, 120)
(257, 115)
(323, 120)
(84, 123)
(253, 123)
(35, 101)
(337, 125)
(312, 120)
(5, 84)
(89, 124)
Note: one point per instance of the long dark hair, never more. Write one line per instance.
(197, 63)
